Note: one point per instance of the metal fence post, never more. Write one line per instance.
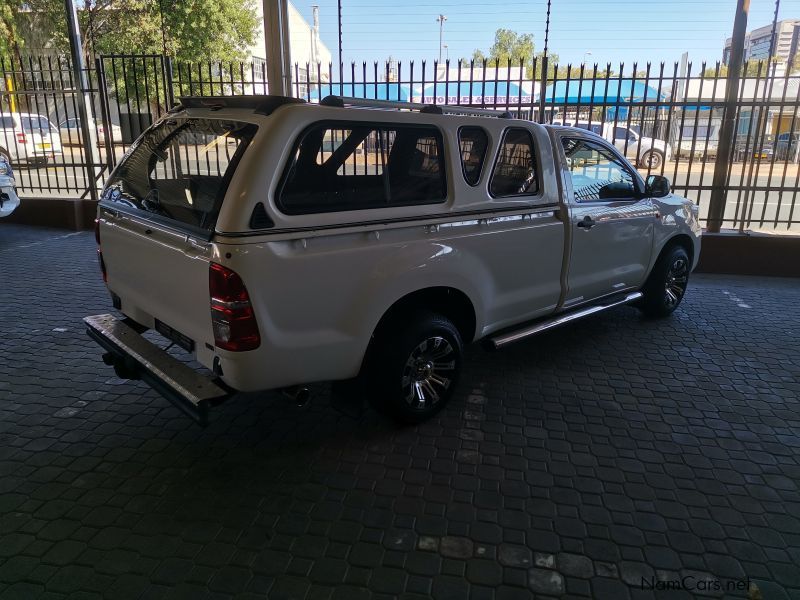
(716, 206)
(84, 112)
(102, 88)
(170, 92)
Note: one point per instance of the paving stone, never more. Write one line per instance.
(456, 547)
(546, 581)
(511, 555)
(575, 565)
(560, 447)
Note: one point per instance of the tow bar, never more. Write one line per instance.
(134, 357)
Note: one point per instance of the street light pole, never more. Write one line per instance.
(341, 64)
(719, 188)
(543, 84)
(84, 106)
(585, 54)
(441, 19)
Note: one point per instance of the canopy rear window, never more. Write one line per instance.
(180, 169)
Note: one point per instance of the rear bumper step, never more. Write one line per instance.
(502, 339)
(131, 354)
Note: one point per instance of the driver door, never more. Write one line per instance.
(611, 221)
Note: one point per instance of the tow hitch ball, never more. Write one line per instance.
(298, 394)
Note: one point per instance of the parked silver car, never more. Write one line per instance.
(71, 132)
(9, 200)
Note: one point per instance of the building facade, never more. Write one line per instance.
(305, 47)
(758, 42)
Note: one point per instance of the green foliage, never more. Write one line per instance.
(193, 30)
(8, 26)
(508, 46)
(752, 68)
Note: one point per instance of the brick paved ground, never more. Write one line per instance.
(575, 464)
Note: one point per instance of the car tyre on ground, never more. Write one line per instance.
(652, 159)
(413, 366)
(666, 285)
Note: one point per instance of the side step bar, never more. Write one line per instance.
(496, 342)
(136, 358)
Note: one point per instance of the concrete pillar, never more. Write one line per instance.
(279, 58)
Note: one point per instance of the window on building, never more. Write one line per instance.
(337, 167)
(473, 143)
(515, 170)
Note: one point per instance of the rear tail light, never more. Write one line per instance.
(21, 138)
(232, 316)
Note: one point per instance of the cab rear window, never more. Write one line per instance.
(179, 170)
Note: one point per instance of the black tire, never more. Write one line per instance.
(666, 285)
(414, 365)
(652, 159)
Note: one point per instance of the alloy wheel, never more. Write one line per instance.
(428, 372)
(677, 279)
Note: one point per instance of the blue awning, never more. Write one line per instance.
(600, 91)
(368, 91)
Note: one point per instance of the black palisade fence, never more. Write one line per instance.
(665, 118)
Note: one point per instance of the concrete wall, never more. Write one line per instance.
(745, 254)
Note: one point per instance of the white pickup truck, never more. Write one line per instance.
(283, 243)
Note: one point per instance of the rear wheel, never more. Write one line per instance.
(667, 283)
(414, 366)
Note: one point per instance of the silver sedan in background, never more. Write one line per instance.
(9, 200)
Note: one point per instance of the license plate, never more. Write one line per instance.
(45, 146)
(174, 335)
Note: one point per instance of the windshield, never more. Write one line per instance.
(180, 169)
(36, 124)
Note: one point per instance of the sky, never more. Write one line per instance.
(598, 30)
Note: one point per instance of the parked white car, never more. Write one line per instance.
(249, 232)
(9, 200)
(29, 138)
(647, 152)
(71, 132)
(699, 141)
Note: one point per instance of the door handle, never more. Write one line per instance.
(587, 223)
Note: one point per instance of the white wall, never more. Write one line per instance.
(301, 40)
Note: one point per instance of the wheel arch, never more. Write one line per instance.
(447, 301)
(680, 239)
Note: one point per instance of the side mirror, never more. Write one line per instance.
(657, 186)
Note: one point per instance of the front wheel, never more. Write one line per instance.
(667, 283)
(652, 159)
(415, 366)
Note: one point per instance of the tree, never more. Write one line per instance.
(751, 68)
(509, 45)
(191, 30)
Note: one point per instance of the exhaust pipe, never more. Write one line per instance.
(298, 394)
